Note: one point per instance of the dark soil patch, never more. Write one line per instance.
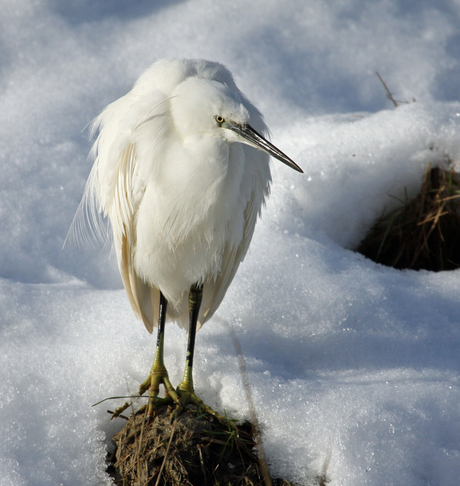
(196, 449)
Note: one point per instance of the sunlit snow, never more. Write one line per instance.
(346, 359)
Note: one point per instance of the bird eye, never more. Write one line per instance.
(219, 119)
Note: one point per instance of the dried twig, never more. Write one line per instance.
(389, 95)
(166, 453)
(254, 421)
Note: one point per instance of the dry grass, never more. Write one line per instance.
(193, 450)
(425, 232)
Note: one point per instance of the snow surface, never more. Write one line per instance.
(346, 358)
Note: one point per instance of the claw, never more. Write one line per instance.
(142, 389)
(187, 398)
(118, 411)
(155, 381)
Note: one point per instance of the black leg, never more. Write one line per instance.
(194, 300)
(159, 373)
(158, 367)
(186, 390)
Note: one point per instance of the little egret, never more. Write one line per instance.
(181, 170)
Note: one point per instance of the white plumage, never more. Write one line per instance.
(181, 191)
(181, 170)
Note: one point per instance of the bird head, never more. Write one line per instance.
(209, 108)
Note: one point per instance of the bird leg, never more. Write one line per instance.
(185, 393)
(185, 390)
(159, 373)
(194, 302)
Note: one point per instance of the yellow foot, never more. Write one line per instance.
(186, 398)
(152, 385)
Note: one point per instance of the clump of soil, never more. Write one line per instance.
(195, 449)
(425, 232)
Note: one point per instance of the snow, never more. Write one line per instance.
(346, 359)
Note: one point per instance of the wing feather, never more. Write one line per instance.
(122, 215)
(214, 292)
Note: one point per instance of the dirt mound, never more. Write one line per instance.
(195, 449)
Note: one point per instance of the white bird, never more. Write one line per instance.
(182, 171)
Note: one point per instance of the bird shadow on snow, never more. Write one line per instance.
(88, 10)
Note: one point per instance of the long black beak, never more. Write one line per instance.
(256, 140)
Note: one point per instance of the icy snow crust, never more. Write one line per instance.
(346, 358)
